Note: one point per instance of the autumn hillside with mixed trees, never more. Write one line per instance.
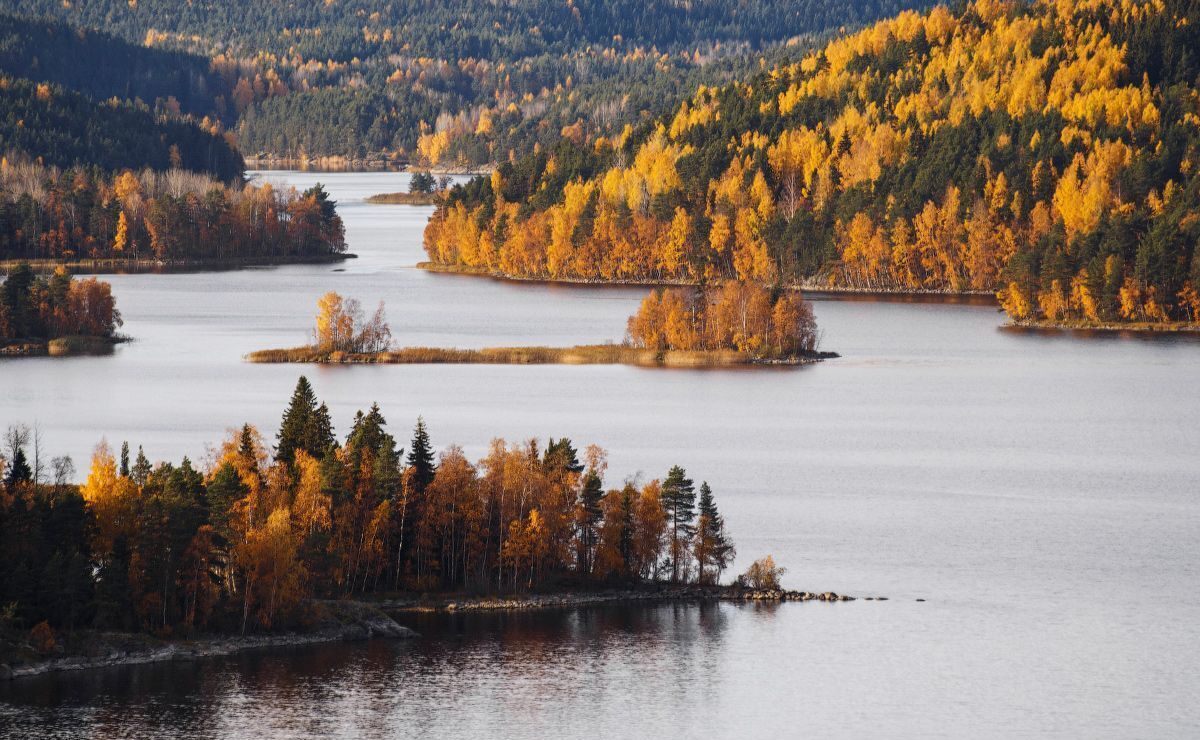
(113, 153)
(1044, 151)
(438, 83)
(245, 540)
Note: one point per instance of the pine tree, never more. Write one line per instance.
(590, 516)
(561, 455)
(713, 547)
(124, 459)
(420, 458)
(679, 501)
(141, 468)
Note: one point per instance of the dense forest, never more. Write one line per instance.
(1046, 151)
(63, 128)
(241, 542)
(174, 216)
(102, 66)
(42, 308)
(439, 83)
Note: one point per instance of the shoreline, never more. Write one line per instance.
(808, 287)
(345, 621)
(662, 592)
(68, 346)
(354, 621)
(111, 266)
(405, 199)
(381, 162)
(1144, 328)
(591, 354)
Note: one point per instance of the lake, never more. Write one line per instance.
(1040, 490)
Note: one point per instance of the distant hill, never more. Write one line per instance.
(64, 128)
(103, 66)
(442, 83)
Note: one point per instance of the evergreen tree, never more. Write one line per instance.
(222, 491)
(420, 458)
(679, 501)
(246, 447)
(590, 516)
(561, 455)
(713, 548)
(19, 470)
(141, 468)
(125, 459)
(625, 537)
(305, 426)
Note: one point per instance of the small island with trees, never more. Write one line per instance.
(316, 539)
(734, 324)
(423, 190)
(56, 314)
(85, 217)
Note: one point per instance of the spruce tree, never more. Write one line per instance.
(141, 468)
(713, 546)
(124, 459)
(679, 501)
(19, 470)
(420, 458)
(305, 425)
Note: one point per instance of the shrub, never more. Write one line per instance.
(763, 575)
(42, 637)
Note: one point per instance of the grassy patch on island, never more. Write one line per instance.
(587, 354)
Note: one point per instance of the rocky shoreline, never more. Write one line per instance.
(570, 599)
(346, 621)
(350, 621)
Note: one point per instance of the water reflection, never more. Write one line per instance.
(480, 666)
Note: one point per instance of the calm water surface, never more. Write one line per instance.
(1042, 492)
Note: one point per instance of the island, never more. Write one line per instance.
(423, 190)
(734, 324)
(318, 539)
(152, 220)
(56, 315)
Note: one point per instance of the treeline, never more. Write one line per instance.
(172, 216)
(742, 316)
(63, 128)
(243, 542)
(41, 308)
(441, 83)
(1045, 151)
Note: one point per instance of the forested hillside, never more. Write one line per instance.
(63, 128)
(1043, 150)
(102, 66)
(455, 82)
